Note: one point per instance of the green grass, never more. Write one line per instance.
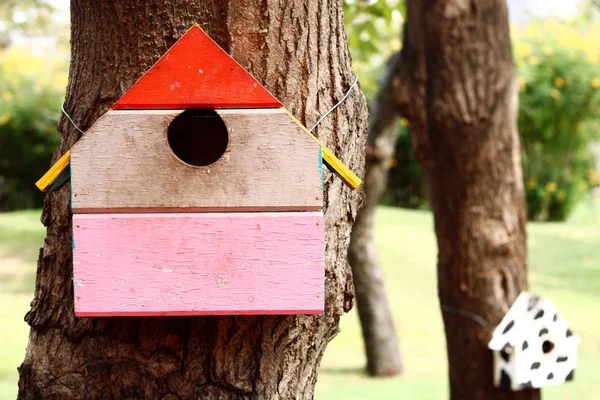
(21, 236)
(564, 261)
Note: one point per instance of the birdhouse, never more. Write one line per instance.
(197, 194)
(533, 346)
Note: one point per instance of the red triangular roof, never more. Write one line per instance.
(196, 73)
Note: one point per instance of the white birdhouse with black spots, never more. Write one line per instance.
(533, 346)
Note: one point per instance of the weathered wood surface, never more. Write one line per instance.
(124, 163)
(196, 73)
(198, 264)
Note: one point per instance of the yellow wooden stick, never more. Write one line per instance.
(54, 172)
(331, 160)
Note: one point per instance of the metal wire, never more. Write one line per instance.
(468, 314)
(336, 106)
(62, 107)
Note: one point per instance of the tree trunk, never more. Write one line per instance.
(381, 343)
(298, 51)
(477, 185)
(456, 86)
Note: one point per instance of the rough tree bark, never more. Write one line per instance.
(456, 86)
(379, 334)
(298, 50)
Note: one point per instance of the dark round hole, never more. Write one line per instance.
(198, 137)
(547, 346)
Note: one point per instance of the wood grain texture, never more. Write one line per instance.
(50, 182)
(124, 163)
(196, 73)
(475, 180)
(198, 264)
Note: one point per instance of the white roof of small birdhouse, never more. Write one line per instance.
(529, 316)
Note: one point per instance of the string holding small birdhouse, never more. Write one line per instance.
(197, 194)
(533, 346)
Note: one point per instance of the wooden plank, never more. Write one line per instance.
(125, 164)
(198, 264)
(56, 175)
(331, 161)
(196, 73)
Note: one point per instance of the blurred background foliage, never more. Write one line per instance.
(31, 16)
(559, 83)
(33, 75)
(407, 183)
(31, 90)
(558, 73)
(30, 19)
(373, 29)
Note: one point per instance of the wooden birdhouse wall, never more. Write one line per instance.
(156, 235)
(124, 162)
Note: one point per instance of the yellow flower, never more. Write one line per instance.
(547, 50)
(403, 122)
(531, 183)
(561, 195)
(7, 96)
(551, 187)
(9, 69)
(533, 31)
(522, 83)
(593, 176)
(61, 79)
(560, 81)
(4, 119)
(555, 94)
(522, 49)
(595, 83)
(533, 60)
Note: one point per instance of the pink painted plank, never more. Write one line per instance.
(198, 264)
